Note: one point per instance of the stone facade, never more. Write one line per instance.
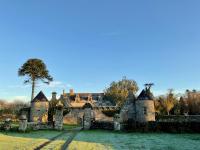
(85, 108)
(128, 109)
(100, 116)
(74, 116)
(39, 111)
(75, 103)
(145, 111)
(140, 109)
(39, 108)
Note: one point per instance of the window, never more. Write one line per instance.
(145, 110)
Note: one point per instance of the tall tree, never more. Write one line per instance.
(119, 91)
(35, 70)
(170, 101)
(159, 106)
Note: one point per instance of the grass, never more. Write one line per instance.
(69, 127)
(28, 141)
(57, 144)
(102, 140)
(99, 140)
(24, 141)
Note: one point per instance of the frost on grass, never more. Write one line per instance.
(25, 141)
(57, 144)
(102, 140)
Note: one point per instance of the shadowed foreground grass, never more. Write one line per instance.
(102, 140)
(24, 141)
(28, 141)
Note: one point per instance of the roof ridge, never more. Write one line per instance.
(40, 97)
(145, 95)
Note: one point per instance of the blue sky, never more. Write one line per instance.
(87, 44)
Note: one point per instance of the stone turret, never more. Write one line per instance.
(145, 110)
(39, 108)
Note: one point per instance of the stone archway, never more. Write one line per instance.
(74, 116)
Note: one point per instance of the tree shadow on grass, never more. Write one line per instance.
(40, 134)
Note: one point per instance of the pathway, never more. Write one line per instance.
(48, 142)
(67, 142)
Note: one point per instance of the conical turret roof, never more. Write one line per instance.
(40, 98)
(146, 95)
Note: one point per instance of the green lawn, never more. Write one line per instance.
(102, 140)
(24, 141)
(57, 144)
(27, 141)
(68, 127)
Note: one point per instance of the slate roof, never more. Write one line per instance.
(84, 96)
(145, 95)
(40, 98)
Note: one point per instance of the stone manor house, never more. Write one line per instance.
(140, 109)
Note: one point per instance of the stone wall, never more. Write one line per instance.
(73, 117)
(169, 127)
(145, 110)
(99, 116)
(179, 118)
(39, 126)
(128, 111)
(39, 112)
(24, 125)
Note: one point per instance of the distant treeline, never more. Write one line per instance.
(172, 104)
(168, 104)
(11, 109)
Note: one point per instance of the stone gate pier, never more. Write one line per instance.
(88, 116)
(59, 116)
(23, 123)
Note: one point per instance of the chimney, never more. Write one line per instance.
(71, 91)
(54, 95)
(64, 94)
